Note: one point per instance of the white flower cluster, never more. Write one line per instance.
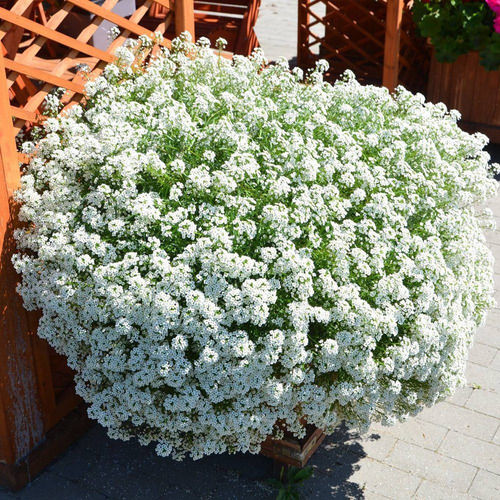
(217, 246)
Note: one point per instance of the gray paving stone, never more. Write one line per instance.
(418, 432)
(429, 465)
(276, 29)
(6, 495)
(472, 451)
(125, 475)
(493, 317)
(489, 334)
(76, 461)
(482, 354)
(461, 420)
(50, 486)
(370, 495)
(432, 491)
(486, 379)
(495, 364)
(377, 445)
(335, 481)
(486, 486)
(496, 437)
(487, 402)
(493, 236)
(242, 488)
(386, 480)
(461, 396)
(496, 264)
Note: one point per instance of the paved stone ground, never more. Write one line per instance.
(451, 451)
(277, 28)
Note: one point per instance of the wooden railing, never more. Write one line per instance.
(38, 54)
(233, 20)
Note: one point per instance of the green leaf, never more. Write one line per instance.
(274, 483)
(283, 495)
(301, 475)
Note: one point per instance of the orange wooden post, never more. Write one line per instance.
(392, 38)
(303, 32)
(184, 17)
(21, 418)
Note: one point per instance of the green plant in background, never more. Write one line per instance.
(456, 27)
(288, 486)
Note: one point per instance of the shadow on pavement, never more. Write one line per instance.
(334, 464)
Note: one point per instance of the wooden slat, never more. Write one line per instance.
(471, 62)
(12, 40)
(42, 75)
(55, 35)
(21, 420)
(43, 374)
(115, 18)
(28, 116)
(303, 35)
(485, 88)
(184, 17)
(8, 151)
(168, 4)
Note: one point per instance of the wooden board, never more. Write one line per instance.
(67, 431)
(293, 451)
(466, 86)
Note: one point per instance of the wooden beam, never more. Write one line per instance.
(184, 17)
(394, 19)
(21, 417)
(57, 440)
(303, 32)
(41, 75)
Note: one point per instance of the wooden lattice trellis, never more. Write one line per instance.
(39, 53)
(374, 38)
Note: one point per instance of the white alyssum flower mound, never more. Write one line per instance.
(217, 246)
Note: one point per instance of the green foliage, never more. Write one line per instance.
(456, 27)
(288, 487)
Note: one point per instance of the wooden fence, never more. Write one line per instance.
(37, 396)
(374, 38)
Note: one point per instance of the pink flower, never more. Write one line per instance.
(494, 5)
(496, 24)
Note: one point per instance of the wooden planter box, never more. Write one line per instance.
(291, 451)
(466, 86)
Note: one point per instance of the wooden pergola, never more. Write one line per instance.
(376, 39)
(38, 419)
